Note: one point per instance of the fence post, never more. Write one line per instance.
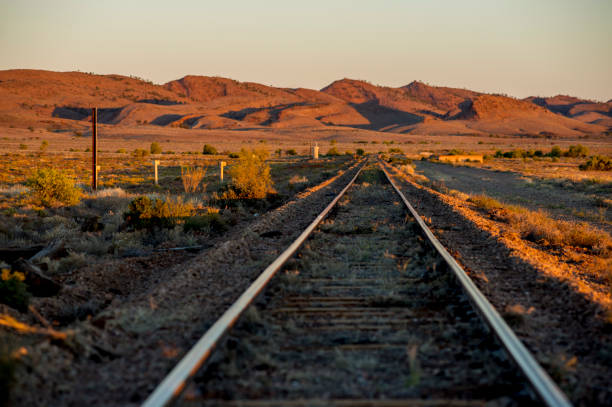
(155, 164)
(221, 165)
(94, 148)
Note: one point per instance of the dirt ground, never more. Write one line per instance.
(118, 353)
(562, 201)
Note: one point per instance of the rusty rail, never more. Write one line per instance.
(174, 383)
(541, 383)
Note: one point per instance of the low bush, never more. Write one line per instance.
(147, 213)
(13, 290)
(233, 155)
(155, 148)
(333, 152)
(576, 151)
(597, 163)
(250, 176)
(52, 186)
(291, 151)
(140, 153)
(360, 152)
(211, 222)
(209, 150)
(555, 152)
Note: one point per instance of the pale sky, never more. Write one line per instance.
(518, 47)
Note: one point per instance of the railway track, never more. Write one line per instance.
(367, 309)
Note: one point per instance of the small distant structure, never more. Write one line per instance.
(315, 151)
(459, 158)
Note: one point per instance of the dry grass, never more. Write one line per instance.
(192, 178)
(485, 202)
(538, 226)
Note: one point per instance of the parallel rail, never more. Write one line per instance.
(172, 386)
(543, 385)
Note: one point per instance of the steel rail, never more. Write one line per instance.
(543, 385)
(174, 383)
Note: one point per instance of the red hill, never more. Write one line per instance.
(41, 98)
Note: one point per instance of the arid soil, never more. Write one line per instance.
(528, 191)
(550, 305)
(136, 333)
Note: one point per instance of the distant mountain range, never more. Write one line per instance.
(46, 98)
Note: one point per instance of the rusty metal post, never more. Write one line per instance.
(94, 148)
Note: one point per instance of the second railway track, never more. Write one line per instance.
(367, 313)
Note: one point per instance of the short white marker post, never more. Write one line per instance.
(315, 152)
(97, 174)
(221, 165)
(155, 164)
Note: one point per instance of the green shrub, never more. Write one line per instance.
(250, 177)
(332, 152)
(212, 221)
(209, 150)
(53, 186)
(597, 163)
(291, 151)
(577, 151)
(146, 213)
(395, 150)
(555, 152)
(155, 148)
(23, 146)
(233, 155)
(360, 152)
(121, 151)
(13, 290)
(140, 153)
(44, 145)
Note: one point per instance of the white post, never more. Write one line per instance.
(221, 165)
(315, 152)
(155, 164)
(97, 174)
